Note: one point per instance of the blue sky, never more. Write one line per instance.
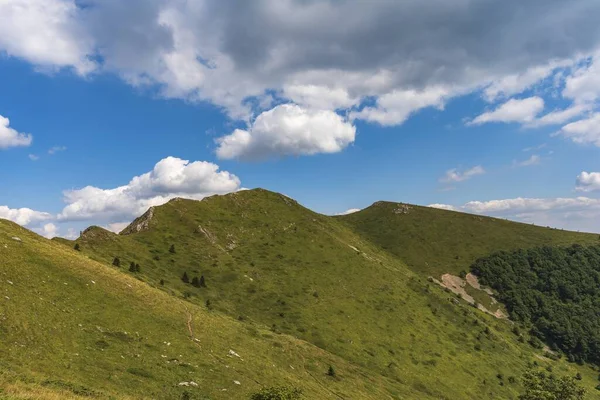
(112, 108)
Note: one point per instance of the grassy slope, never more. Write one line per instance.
(433, 241)
(74, 328)
(268, 260)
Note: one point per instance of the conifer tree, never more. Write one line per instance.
(172, 249)
(137, 268)
(132, 267)
(202, 281)
(195, 282)
(185, 278)
(116, 262)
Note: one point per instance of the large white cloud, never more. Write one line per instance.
(514, 110)
(10, 137)
(288, 129)
(24, 216)
(171, 177)
(381, 53)
(576, 213)
(583, 85)
(45, 32)
(588, 181)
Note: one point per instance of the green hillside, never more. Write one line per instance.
(433, 241)
(269, 262)
(73, 328)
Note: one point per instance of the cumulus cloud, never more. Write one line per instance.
(10, 137)
(384, 53)
(33, 157)
(454, 175)
(48, 231)
(514, 110)
(533, 160)
(171, 177)
(588, 181)
(584, 131)
(24, 216)
(578, 213)
(288, 129)
(47, 33)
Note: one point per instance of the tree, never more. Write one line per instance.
(132, 267)
(277, 393)
(172, 249)
(76, 247)
(202, 281)
(116, 262)
(331, 371)
(185, 278)
(162, 282)
(195, 282)
(137, 268)
(542, 386)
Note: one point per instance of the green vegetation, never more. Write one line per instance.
(556, 289)
(434, 242)
(278, 393)
(542, 386)
(287, 293)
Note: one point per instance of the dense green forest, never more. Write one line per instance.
(555, 291)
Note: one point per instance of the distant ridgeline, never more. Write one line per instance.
(556, 290)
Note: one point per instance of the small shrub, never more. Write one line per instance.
(162, 282)
(277, 393)
(331, 372)
(578, 376)
(132, 267)
(195, 282)
(76, 247)
(202, 281)
(116, 262)
(185, 278)
(172, 249)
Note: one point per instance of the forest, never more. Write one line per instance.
(554, 292)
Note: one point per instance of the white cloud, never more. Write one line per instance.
(516, 83)
(557, 117)
(10, 137)
(349, 211)
(395, 107)
(24, 216)
(538, 147)
(385, 53)
(171, 177)
(46, 33)
(579, 213)
(56, 149)
(319, 97)
(33, 157)
(585, 131)
(514, 110)
(454, 175)
(583, 85)
(588, 181)
(117, 227)
(443, 207)
(288, 129)
(48, 231)
(533, 160)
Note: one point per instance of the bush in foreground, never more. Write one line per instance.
(278, 393)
